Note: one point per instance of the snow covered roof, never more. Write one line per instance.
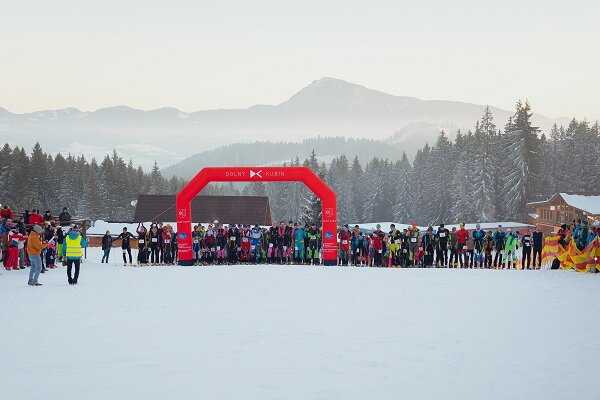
(588, 203)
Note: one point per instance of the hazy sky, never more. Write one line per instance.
(196, 55)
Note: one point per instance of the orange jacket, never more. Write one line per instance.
(34, 244)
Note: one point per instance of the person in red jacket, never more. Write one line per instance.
(36, 218)
(345, 237)
(14, 237)
(6, 213)
(462, 235)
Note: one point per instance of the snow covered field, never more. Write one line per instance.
(273, 332)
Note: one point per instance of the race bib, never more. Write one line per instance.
(379, 251)
(218, 248)
(141, 241)
(405, 251)
(413, 240)
(397, 241)
(527, 244)
(212, 249)
(232, 239)
(357, 250)
(344, 242)
(252, 247)
(420, 248)
(154, 240)
(124, 251)
(270, 244)
(167, 240)
(284, 247)
(196, 241)
(245, 240)
(443, 234)
(501, 251)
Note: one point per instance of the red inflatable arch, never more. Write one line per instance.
(251, 174)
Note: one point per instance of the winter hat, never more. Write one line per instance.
(391, 226)
(462, 224)
(75, 228)
(378, 226)
(37, 228)
(477, 226)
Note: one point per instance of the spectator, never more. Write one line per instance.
(106, 246)
(64, 218)
(48, 216)
(34, 249)
(26, 216)
(6, 213)
(73, 251)
(36, 218)
(13, 248)
(60, 239)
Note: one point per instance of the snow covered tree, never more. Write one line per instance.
(521, 168)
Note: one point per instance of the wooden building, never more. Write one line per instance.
(562, 208)
(247, 210)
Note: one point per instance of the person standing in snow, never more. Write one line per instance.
(442, 246)
(453, 242)
(462, 237)
(34, 249)
(499, 241)
(478, 239)
(14, 237)
(413, 234)
(126, 244)
(538, 245)
(488, 246)
(510, 246)
(142, 233)
(73, 251)
(106, 246)
(526, 243)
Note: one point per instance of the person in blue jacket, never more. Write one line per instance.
(499, 242)
(478, 237)
(299, 236)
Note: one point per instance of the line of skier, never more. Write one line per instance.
(294, 243)
(440, 248)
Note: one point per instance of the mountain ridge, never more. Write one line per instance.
(327, 107)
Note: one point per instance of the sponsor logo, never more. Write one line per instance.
(328, 235)
(234, 174)
(257, 173)
(329, 212)
(181, 213)
(182, 235)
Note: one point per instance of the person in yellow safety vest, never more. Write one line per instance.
(73, 251)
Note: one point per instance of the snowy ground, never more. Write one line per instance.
(272, 332)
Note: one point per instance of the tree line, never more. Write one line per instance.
(89, 189)
(485, 175)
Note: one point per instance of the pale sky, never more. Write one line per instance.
(195, 55)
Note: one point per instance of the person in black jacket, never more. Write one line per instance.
(106, 246)
(60, 240)
(538, 244)
(64, 218)
(126, 244)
